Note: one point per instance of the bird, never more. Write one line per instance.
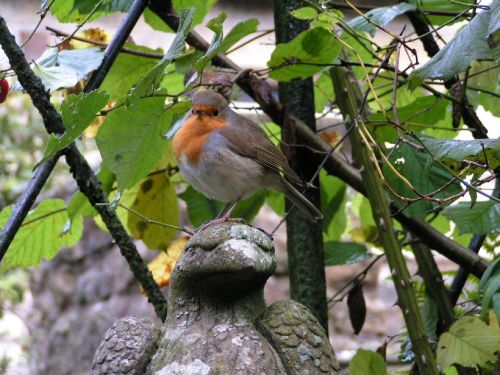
(227, 157)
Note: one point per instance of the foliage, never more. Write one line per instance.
(490, 285)
(412, 132)
(304, 56)
(469, 342)
(44, 232)
(481, 217)
(454, 58)
(367, 362)
(378, 17)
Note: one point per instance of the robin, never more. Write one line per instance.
(228, 157)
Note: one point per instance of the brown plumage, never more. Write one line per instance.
(227, 157)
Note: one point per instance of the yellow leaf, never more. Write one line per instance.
(161, 267)
(95, 34)
(156, 199)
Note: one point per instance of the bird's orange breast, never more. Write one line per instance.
(191, 137)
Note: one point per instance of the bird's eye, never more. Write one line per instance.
(215, 113)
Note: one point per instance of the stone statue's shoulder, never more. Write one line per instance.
(298, 338)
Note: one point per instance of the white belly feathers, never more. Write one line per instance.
(223, 175)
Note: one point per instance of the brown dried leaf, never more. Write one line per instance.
(357, 307)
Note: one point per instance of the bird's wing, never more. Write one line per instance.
(246, 138)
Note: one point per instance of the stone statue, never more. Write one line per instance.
(218, 322)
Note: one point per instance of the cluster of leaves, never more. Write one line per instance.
(142, 101)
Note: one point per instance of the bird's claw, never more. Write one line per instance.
(219, 220)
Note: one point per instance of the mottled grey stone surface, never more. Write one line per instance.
(126, 347)
(218, 322)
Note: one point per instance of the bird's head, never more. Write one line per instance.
(208, 103)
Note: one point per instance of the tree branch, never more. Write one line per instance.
(87, 181)
(334, 4)
(260, 91)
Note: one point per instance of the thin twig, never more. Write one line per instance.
(130, 51)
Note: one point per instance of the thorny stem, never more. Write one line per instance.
(349, 100)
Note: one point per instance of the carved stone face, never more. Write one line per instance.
(224, 257)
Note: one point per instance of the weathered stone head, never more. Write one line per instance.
(224, 261)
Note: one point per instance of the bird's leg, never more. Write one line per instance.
(223, 216)
(226, 211)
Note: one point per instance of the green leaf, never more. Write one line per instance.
(202, 209)
(156, 23)
(215, 24)
(337, 252)
(379, 16)
(483, 218)
(492, 270)
(491, 289)
(202, 7)
(363, 230)
(425, 110)
(304, 56)
(130, 140)
(248, 208)
(185, 24)
(490, 285)
(184, 63)
(328, 19)
(442, 5)
(457, 55)
(484, 75)
(424, 174)
(81, 61)
(78, 112)
(238, 32)
(44, 232)
(305, 13)
(55, 77)
(367, 362)
(494, 30)
(430, 316)
(333, 202)
(496, 305)
(323, 92)
(150, 83)
(469, 343)
(126, 71)
(276, 201)
(477, 150)
(77, 11)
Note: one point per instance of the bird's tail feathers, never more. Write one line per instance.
(306, 207)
